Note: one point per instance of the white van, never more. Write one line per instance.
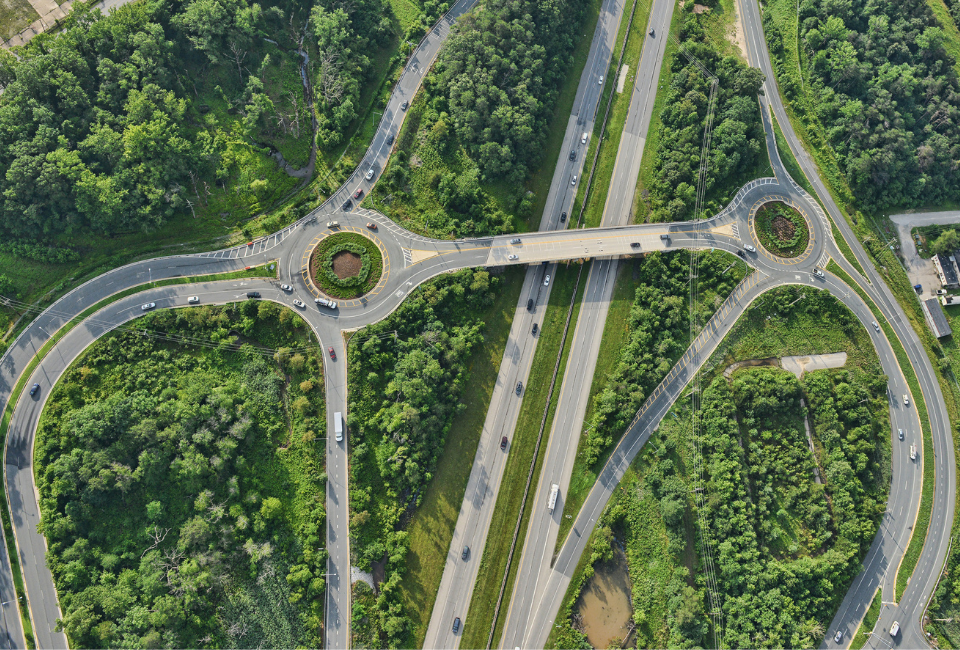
(338, 425)
(895, 629)
(583, 138)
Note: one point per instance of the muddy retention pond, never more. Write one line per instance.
(605, 606)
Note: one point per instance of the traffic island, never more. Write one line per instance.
(781, 229)
(346, 265)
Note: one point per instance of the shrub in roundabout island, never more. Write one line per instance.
(356, 284)
(781, 229)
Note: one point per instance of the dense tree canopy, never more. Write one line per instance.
(181, 500)
(887, 94)
(738, 141)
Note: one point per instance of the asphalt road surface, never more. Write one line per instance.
(921, 271)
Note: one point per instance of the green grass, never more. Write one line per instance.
(952, 41)
(407, 12)
(431, 527)
(609, 141)
(493, 562)
(329, 246)
(919, 530)
(928, 234)
(867, 624)
(15, 16)
(765, 217)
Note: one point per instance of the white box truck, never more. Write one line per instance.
(554, 491)
(338, 425)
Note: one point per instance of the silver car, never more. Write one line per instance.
(148, 306)
(286, 287)
(192, 300)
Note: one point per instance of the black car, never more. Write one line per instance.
(530, 304)
(573, 154)
(519, 387)
(635, 244)
(456, 625)
(390, 139)
(563, 217)
(253, 294)
(348, 205)
(503, 443)
(741, 253)
(34, 389)
(536, 328)
(466, 553)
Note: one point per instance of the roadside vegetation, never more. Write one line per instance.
(781, 229)
(407, 377)
(323, 267)
(478, 128)
(642, 342)
(171, 122)
(935, 239)
(785, 546)
(160, 529)
(737, 154)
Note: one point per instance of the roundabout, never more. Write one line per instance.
(783, 231)
(346, 265)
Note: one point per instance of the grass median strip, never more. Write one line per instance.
(919, 532)
(867, 624)
(258, 271)
(493, 563)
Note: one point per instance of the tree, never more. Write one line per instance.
(946, 243)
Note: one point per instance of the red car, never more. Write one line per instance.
(372, 226)
(333, 355)
(358, 193)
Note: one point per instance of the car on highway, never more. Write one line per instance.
(333, 355)
(601, 80)
(536, 328)
(286, 287)
(465, 553)
(573, 154)
(546, 281)
(665, 237)
(817, 272)
(583, 138)
(456, 625)
(876, 326)
(573, 181)
(299, 304)
(34, 389)
(390, 139)
(906, 400)
(513, 257)
(750, 248)
(519, 387)
(634, 244)
(515, 240)
(651, 32)
(369, 175)
(253, 294)
(148, 306)
(372, 226)
(741, 254)
(192, 300)
(563, 217)
(895, 628)
(347, 205)
(503, 443)
(405, 105)
(358, 193)
(838, 637)
(529, 304)
(333, 224)
(900, 433)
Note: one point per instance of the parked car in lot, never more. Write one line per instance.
(941, 292)
(148, 306)
(192, 300)
(298, 304)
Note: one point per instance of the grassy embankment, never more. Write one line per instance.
(259, 271)
(493, 562)
(873, 231)
(867, 624)
(431, 527)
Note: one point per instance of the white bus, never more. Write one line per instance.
(338, 425)
(554, 491)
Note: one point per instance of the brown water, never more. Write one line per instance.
(604, 603)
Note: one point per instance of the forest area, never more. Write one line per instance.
(737, 147)
(784, 545)
(182, 487)
(882, 89)
(477, 130)
(407, 375)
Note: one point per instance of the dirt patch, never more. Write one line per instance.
(605, 605)
(783, 229)
(737, 37)
(346, 264)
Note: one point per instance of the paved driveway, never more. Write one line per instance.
(919, 270)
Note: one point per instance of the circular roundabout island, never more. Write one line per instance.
(781, 229)
(346, 265)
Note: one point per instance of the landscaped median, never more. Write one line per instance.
(781, 229)
(346, 265)
(265, 270)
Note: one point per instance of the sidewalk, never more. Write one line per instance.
(50, 16)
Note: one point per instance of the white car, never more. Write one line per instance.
(513, 257)
(148, 306)
(583, 138)
(546, 281)
(192, 300)
(749, 248)
(941, 292)
(601, 80)
(286, 287)
(573, 181)
(817, 272)
(298, 304)
(369, 174)
(906, 401)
